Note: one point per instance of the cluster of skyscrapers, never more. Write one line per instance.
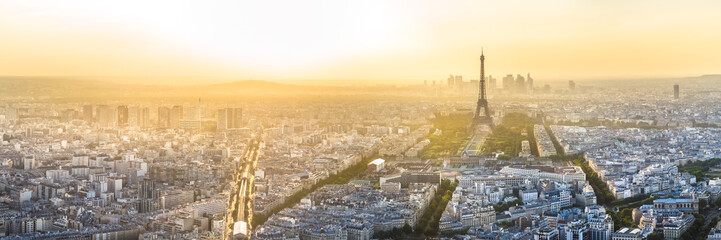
(510, 84)
(517, 85)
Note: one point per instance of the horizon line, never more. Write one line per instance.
(309, 81)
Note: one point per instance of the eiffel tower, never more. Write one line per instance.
(482, 116)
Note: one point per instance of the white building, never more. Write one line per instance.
(628, 234)
(25, 195)
(529, 195)
(377, 165)
(56, 175)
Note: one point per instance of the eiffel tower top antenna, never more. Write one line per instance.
(482, 85)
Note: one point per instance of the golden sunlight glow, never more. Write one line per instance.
(373, 40)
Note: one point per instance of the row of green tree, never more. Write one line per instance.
(631, 201)
(342, 177)
(560, 151)
(704, 233)
(694, 232)
(454, 135)
(429, 221)
(453, 233)
(396, 233)
(508, 135)
(603, 196)
(655, 236)
(532, 140)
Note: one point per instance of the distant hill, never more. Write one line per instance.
(708, 77)
(70, 88)
(250, 86)
(11, 86)
(712, 76)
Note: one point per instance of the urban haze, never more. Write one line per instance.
(334, 120)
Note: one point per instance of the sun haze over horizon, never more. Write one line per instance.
(378, 41)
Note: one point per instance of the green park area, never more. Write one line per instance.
(452, 138)
(507, 136)
(702, 169)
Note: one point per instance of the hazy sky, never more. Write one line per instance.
(379, 41)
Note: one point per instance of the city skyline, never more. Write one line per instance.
(362, 42)
(360, 120)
